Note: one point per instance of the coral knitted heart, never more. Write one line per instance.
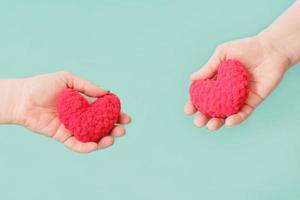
(88, 122)
(224, 95)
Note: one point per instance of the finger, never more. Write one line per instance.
(201, 120)
(124, 119)
(53, 128)
(189, 108)
(215, 123)
(210, 68)
(84, 86)
(106, 142)
(62, 134)
(118, 131)
(253, 99)
(241, 116)
(77, 146)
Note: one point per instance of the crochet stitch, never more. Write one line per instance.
(88, 122)
(224, 95)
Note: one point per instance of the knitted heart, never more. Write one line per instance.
(88, 122)
(225, 94)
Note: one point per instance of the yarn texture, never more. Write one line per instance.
(88, 122)
(225, 94)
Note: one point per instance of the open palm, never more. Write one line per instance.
(266, 68)
(40, 115)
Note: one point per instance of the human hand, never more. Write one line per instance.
(36, 109)
(266, 67)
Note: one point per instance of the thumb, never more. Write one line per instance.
(84, 86)
(210, 68)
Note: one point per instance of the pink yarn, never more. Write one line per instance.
(225, 95)
(88, 122)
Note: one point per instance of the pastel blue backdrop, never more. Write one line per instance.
(144, 51)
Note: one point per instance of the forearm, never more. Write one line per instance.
(10, 94)
(284, 33)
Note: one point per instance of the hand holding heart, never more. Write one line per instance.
(85, 127)
(37, 110)
(265, 67)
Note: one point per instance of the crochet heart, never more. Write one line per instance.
(223, 95)
(88, 122)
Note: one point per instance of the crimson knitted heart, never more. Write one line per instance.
(225, 94)
(88, 122)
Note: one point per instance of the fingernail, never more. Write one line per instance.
(107, 91)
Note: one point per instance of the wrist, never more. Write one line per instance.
(280, 45)
(10, 102)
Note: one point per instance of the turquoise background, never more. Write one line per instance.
(145, 51)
